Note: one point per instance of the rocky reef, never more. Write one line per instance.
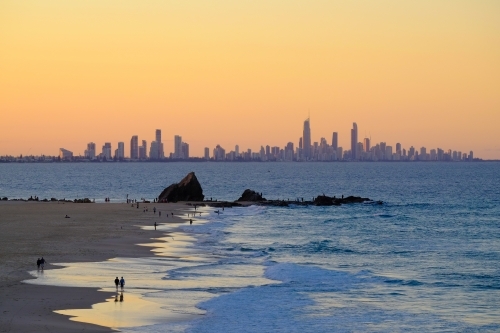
(251, 196)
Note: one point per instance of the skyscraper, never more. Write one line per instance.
(354, 141)
(160, 154)
(121, 150)
(143, 150)
(90, 151)
(106, 151)
(335, 141)
(306, 142)
(185, 150)
(158, 135)
(134, 147)
(366, 145)
(177, 146)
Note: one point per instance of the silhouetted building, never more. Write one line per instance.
(65, 154)
(134, 147)
(306, 142)
(90, 151)
(354, 142)
(335, 141)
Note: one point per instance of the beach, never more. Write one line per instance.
(91, 233)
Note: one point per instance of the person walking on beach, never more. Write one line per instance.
(155, 225)
(122, 283)
(42, 263)
(159, 213)
(38, 264)
(154, 210)
(117, 282)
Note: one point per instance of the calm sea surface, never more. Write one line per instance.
(428, 259)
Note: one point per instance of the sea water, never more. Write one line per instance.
(427, 259)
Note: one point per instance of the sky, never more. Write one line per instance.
(249, 72)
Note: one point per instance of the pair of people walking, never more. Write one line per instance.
(119, 282)
(40, 262)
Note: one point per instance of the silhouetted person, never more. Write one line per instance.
(38, 264)
(117, 282)
(190, 221)
(155, 225)
(42, 262)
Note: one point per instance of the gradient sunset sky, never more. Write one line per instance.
(422, 73)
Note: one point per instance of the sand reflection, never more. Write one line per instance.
(161, 288)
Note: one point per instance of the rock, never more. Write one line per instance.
(251, 196)
(5, 198)
(188, 189)
(324, 200)
(351, 199)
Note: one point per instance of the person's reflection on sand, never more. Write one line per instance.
(121, 297)
(116, 298)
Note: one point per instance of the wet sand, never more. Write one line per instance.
(94, 232)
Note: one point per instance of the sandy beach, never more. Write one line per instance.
(93, 232)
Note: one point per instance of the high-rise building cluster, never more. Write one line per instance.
(308, 150)
(138, 150)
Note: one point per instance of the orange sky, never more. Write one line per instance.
(423, 73)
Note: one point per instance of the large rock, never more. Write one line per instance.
(249, 195)
(324, 200)
(188, 189)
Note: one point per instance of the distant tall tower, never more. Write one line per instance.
(160, 145)
(134, 147)
(366, 145)
(335, 140)
(354, 141)
(143, 152)
(121, 150)
(306, 142)
(90, 152)
(178, 146)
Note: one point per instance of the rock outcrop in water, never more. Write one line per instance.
(188, 189)
(251, 196)
(324, 200)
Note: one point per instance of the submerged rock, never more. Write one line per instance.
(188, 189)
(252, 196)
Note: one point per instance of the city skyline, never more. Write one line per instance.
(305, 150)
(421, 72)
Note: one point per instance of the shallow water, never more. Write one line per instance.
(426, 260)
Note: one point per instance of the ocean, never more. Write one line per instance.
(427, 259)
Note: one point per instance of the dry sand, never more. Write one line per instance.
(94, 232)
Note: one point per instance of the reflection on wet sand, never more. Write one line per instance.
(162, 288)
(116, 313)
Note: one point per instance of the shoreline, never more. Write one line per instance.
(93, 233)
